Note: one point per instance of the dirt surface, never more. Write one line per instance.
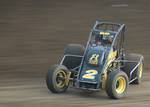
(33, 34)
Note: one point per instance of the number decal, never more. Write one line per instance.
(94, 59)
(90, 74)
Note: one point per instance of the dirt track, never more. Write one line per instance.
(33, 34)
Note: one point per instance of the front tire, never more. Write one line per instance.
(56, 79)
(117, 84)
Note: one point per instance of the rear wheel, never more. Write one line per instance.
(117, 84)
(77, 51)
(56, 79)
(139, 73)
(74, 49)
(129, 66)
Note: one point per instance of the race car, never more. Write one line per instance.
(101, 65)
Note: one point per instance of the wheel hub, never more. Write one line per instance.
(60, 78)
(120, 85)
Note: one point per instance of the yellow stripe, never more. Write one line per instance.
(112, 56)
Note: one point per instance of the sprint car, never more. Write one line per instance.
(101, 65)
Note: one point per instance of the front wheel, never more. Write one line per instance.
(117, 84)
(57, 79)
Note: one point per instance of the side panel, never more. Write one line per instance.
(71, 61)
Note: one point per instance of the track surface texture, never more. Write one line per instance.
(33, 34)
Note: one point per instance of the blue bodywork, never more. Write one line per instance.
(102, 51)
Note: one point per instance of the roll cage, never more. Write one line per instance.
(115, 29)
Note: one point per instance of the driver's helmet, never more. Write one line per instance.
(104, 38)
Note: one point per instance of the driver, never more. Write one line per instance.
(103, 39)
(108, 39)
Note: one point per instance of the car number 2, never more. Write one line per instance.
(90, 74)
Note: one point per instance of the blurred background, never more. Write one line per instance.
(33, 34)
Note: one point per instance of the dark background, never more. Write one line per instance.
(33, 34)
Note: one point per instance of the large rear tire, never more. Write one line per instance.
(117, 84)
(139, 74)
(75, 50)
(56, 79)
(135, 59)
